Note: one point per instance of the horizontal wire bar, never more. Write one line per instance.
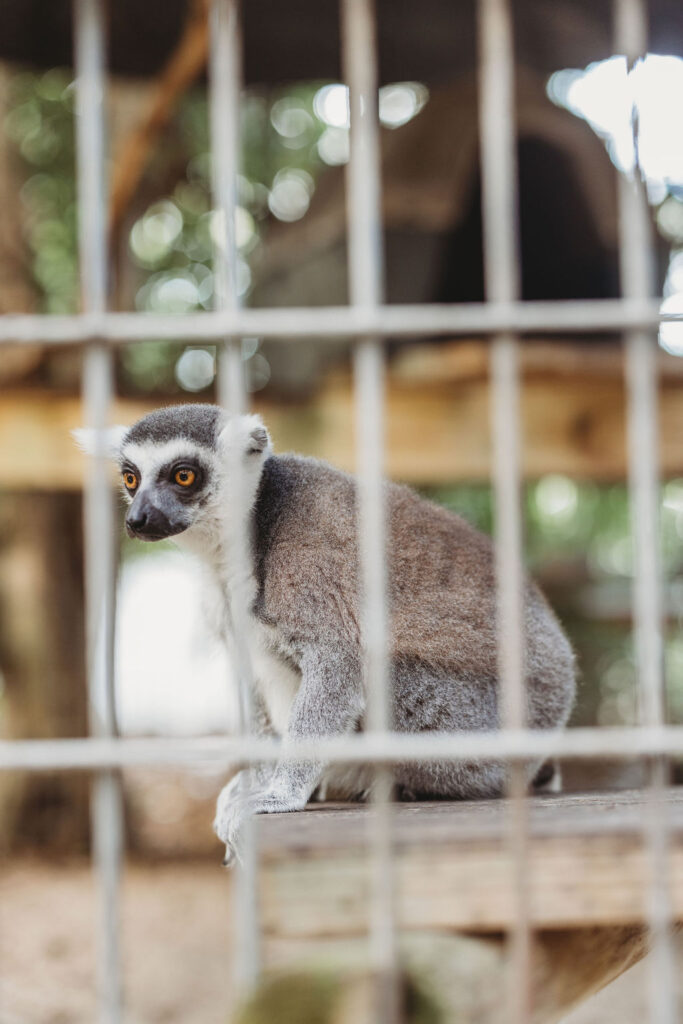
(333, 322)
(623, 744)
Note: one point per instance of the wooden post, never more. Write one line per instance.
(41, 659)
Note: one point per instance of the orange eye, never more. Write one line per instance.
(185, 477)
(130, 481)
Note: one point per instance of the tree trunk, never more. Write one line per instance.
(42, 663)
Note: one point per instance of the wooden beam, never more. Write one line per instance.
(437, 427)
(454, 870)
(37, 451)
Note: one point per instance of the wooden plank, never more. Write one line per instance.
(469, 360)
(589, 866)
(437, 424)
(37, 451)
(336, 827)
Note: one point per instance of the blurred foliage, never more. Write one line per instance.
(171, 244)
(294, 998)
(289, 134)
(317, 998)
(41, 124)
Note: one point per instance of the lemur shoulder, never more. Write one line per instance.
(305, 633)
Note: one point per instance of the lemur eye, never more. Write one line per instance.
(185, 477)
(130, 480)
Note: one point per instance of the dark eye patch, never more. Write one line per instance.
(127, 467)
(167, 473)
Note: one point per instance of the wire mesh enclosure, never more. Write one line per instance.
(367, 322)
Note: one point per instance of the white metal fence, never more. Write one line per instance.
(366, 322)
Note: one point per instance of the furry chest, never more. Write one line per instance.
(275, 676)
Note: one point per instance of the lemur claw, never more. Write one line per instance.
(233, 808)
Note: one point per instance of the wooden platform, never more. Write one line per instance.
(588, 865)
(573, 416)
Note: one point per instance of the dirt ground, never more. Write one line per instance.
(176, 941)
(176, 937)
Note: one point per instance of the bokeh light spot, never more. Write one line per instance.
(153, 236)
(400, 102)
(196, 369)
(331, 105)
(290, 195)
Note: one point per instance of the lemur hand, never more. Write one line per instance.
(287, 790)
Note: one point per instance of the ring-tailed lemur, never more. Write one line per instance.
(305, 634)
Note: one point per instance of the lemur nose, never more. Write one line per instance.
(139, 521)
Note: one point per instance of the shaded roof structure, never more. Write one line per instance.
(431, 182)
(293, 40)
(431, 213)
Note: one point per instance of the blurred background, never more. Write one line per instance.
(573, 101)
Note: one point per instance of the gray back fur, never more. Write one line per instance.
(443, 636)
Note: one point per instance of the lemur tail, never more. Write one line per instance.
(548, 778)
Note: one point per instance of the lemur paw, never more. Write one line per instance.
(228, 813)
(234, 806)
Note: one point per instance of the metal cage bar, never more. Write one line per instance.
(365, 276)
(225, 82)
(619, 743)
(89, 47)
(365, 320)
(583, 316)
(637, 281)
(501, 276)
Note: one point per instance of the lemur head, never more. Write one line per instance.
(176, 465)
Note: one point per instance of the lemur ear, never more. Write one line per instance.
(246, 434)
(86, 440)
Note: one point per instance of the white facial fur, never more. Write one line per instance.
(149, 457)
(234, 469)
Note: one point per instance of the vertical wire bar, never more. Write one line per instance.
(500, 229)
(225, 82)
(638, 281)
(365, 274)
(89, 51)
(365, 290)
